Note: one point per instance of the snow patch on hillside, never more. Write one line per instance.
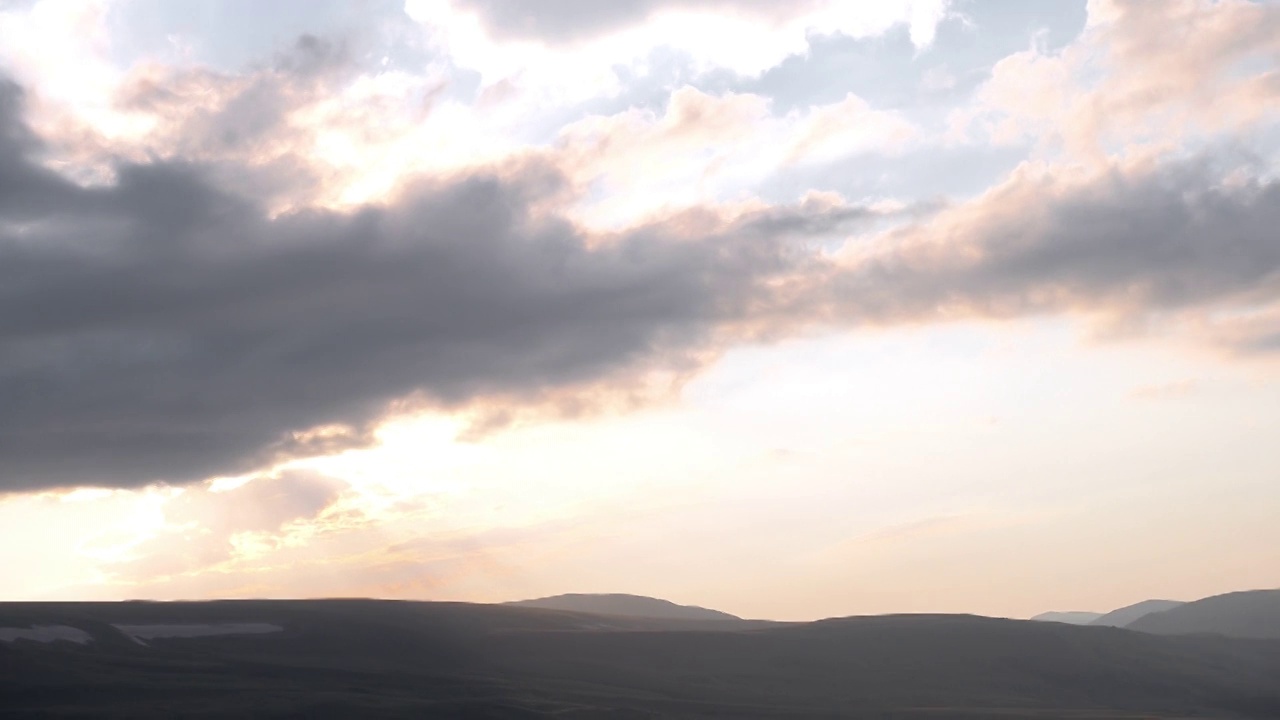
(141, 633)
(45, 634)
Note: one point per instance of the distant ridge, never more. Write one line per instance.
(624, 605)
(1070, 618)
(1248, 614)
(1124, 616)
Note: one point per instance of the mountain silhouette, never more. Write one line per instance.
(619, 604)
(1247, 614)
(1070, 618)
(1123, 617)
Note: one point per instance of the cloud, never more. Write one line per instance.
(571, 49)
(1129, 81)
(170, 325)
(254, 127)
(706, 148)
(1129, 243)
(1163, 236)
(205, 528)
(575, 21)
(164, 328)
(15, 138)
(569, 21)
(26, 189)
(563, 21)
(301, 534)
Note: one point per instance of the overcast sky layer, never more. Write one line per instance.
(792, 310)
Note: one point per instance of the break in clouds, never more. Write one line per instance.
(169, 324)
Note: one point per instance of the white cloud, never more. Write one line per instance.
(746, 40)
(711, 149)
(1130, 84)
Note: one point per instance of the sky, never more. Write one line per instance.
(793, 310)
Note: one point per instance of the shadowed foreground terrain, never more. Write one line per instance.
(367, 658)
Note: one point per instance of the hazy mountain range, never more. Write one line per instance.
(1120, 617)
(1217, 657)
(1073, 617)
(1126, 616)
(1253, 614)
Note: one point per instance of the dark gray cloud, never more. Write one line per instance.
(26, 190)
(14, 136)
(162, 328)
(166, 328)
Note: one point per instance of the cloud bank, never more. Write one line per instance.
(170, 323)
(164, 328)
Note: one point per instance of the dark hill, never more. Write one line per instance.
(1124, 616)
(1249, 614)
(625, 606)
(364, 658)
